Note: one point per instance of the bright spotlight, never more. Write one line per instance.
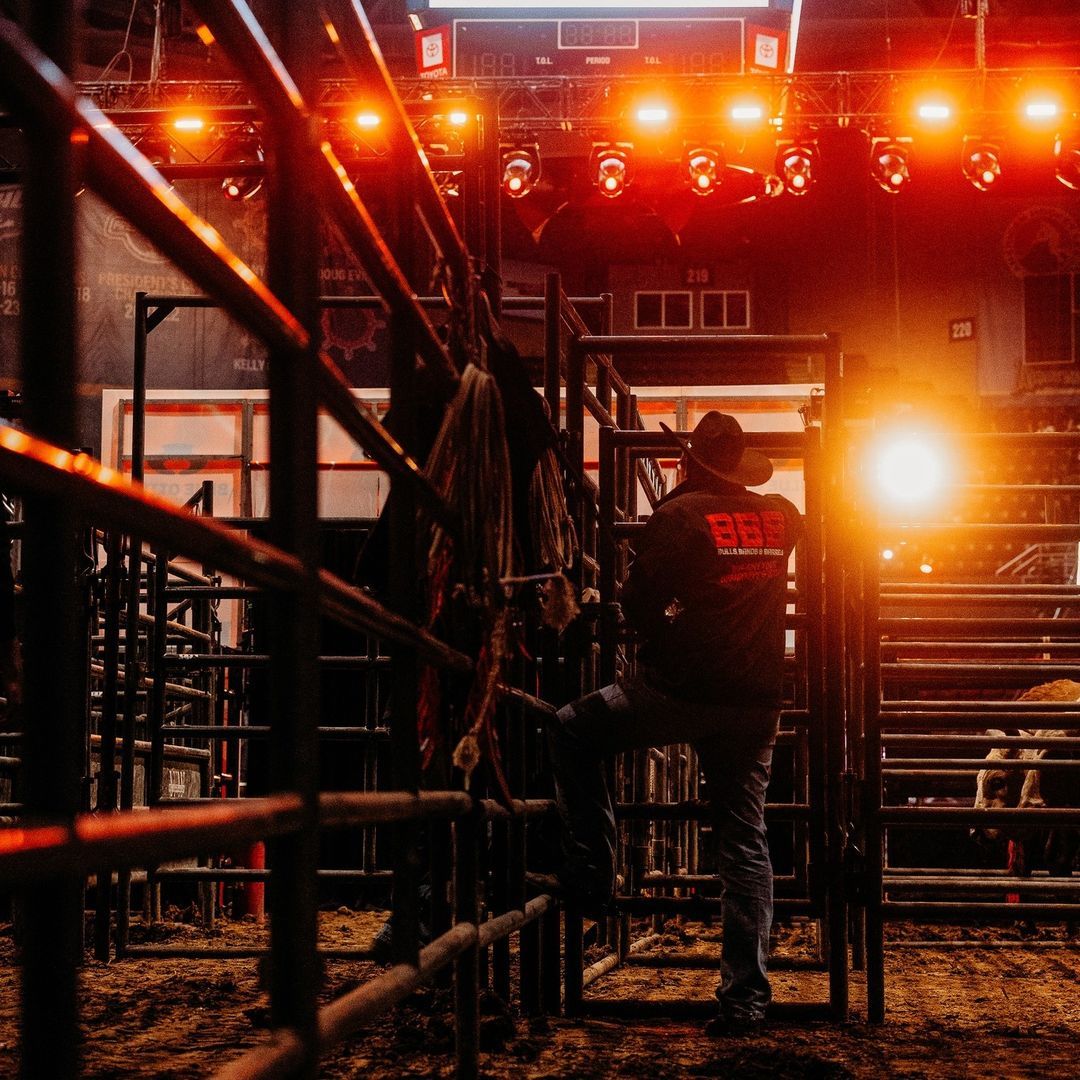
(367, 121)
(653, 116)
(458, 118)
(520, 171)
(888, 554)
(889, 165)
(703, 166)
(934, 111)
(612, 169)
(981, 164)
(243, 148)
(747, 112)
(189, 123)
(1041, 109)
(1067, 162)
(795, 167)
(926, 565)
(909, 469)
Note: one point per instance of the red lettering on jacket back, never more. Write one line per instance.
(747, 529)
(723, 530)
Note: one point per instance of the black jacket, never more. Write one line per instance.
(707, 592)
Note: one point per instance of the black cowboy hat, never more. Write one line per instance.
(718, 445)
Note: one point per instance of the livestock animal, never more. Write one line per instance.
(997, 788)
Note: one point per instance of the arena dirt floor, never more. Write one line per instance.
(957, 1007)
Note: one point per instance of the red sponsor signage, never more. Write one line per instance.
(766, 48)
(433, 52)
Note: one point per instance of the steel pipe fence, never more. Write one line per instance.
(932, 652)
(41, 466)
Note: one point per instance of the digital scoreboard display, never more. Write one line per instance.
(526, 48)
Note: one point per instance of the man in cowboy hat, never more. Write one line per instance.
(707, 595)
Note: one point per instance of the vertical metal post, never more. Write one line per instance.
(474, 188)
(107, 778)
(491, 156)
(500, 902)
(553, 345)
(624, 474)
(156, 712)
(603, 372)
(51, 911)
(466, 967)
(874, 870)
(405, 753)
(810, 586)
(573, 961)
(133, 669)
(833, 500)
(550, 961)
(293, 272)
(607, 557)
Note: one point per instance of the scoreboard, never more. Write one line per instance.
(497, 39)
(525, 48)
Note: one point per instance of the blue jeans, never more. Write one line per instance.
(735, 746)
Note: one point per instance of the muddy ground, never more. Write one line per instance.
(958, 1006)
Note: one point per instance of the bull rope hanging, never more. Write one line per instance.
(470, 467)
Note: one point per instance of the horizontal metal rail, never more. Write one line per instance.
(1066, 531)
(991, 672)
(899, 881)
(342, 1017)
(952, 911)
(34, 852)
(959, 815)
(204, 660)
(699, 810)
(781, 443)
(919, 765)
(979, 627)
(700, 345)
(262, 731)
(977, 742)
(109, 496)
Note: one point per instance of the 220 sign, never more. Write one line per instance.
(962, 329)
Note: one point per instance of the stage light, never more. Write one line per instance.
(1041, 108)
(909, 469)
(459, 118)
(612, 165)
(889, 165)
(1067, 161)
(704, 166)
(926, 565)
(189, 122)
(204, 34)
(243, 148)
(520, 170)
(653, 115)
(747, 113)
(367, 121)
(795, 167)
(934, 111)
(981, 164)
(888, 554)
